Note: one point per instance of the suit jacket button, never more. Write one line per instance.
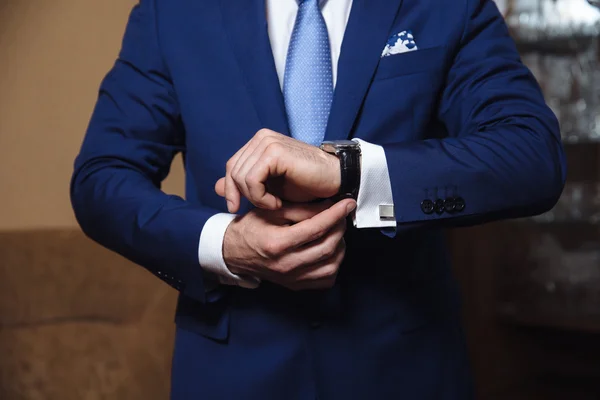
(459, 204)
(450, 205)
(439, 206)
(427, 206)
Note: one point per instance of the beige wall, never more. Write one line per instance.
(53, 55)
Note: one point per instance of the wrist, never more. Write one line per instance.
(334, 181)
(229, 240)
(345, 170)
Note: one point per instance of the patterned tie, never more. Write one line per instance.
(308, 79)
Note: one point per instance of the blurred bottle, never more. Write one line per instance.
(558, 40)
(553, 272)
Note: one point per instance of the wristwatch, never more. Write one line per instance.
(348, 152)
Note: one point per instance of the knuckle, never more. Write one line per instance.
(274, 148)
(264, 132)
(278, 270)
(330, 270)
(273, 248)
(328, 251)
(268, 139)
(320, 231)
(262, 204)
(315, 231)
(229, 165)
(250, 182)
(268, 248)
(286, 268)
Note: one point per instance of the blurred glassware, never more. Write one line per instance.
(569, 277)
(580, 202)
(502, 6)
(559, 42)
(551, 275)
(554, 24)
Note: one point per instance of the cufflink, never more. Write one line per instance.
(386, 212)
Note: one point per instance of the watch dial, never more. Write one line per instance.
(342, 144)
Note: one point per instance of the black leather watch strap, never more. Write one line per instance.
(348, 152)
(350, 171)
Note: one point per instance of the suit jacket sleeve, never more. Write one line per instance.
(503, 154)
(134, 133)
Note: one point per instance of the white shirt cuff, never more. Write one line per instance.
(210, 252)
(375, 188)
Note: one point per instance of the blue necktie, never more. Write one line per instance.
(308, 78)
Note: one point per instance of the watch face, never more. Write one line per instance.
(346, 143)
(341, 144)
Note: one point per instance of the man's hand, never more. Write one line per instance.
(299, 246)
(272, 167)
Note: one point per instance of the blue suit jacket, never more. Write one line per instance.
(460, 118)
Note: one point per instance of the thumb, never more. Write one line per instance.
(347, 205)
(298, 212)
(317, 226)
(220, 187)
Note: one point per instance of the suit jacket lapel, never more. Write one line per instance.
(367, 32)
(246, 26)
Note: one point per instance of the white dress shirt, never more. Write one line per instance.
(375, 186)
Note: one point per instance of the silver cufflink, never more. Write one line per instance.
(386, 212)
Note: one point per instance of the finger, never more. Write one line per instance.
(315, 276)
(324, 268)
(302, 258)
(236, 175)
(313, 228)
(243, 177)
(232, 194)
(322, 276)
(272, 162)
(220, 187)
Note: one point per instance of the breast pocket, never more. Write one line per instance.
(412, 62)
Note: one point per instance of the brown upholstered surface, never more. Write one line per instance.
(78, 322)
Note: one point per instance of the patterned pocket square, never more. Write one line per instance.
(400, 43)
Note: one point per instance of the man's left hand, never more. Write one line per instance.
(273, 167)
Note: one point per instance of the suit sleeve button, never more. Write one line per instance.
(459, 204)
(427, 206)
(450, 204)
(439, 206)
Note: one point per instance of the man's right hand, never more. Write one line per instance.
(299, 246)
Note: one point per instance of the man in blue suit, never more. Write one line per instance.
(280, 297)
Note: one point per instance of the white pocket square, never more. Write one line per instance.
(400, 43)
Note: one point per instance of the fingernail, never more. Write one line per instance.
(229, 205)
(350, 208)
